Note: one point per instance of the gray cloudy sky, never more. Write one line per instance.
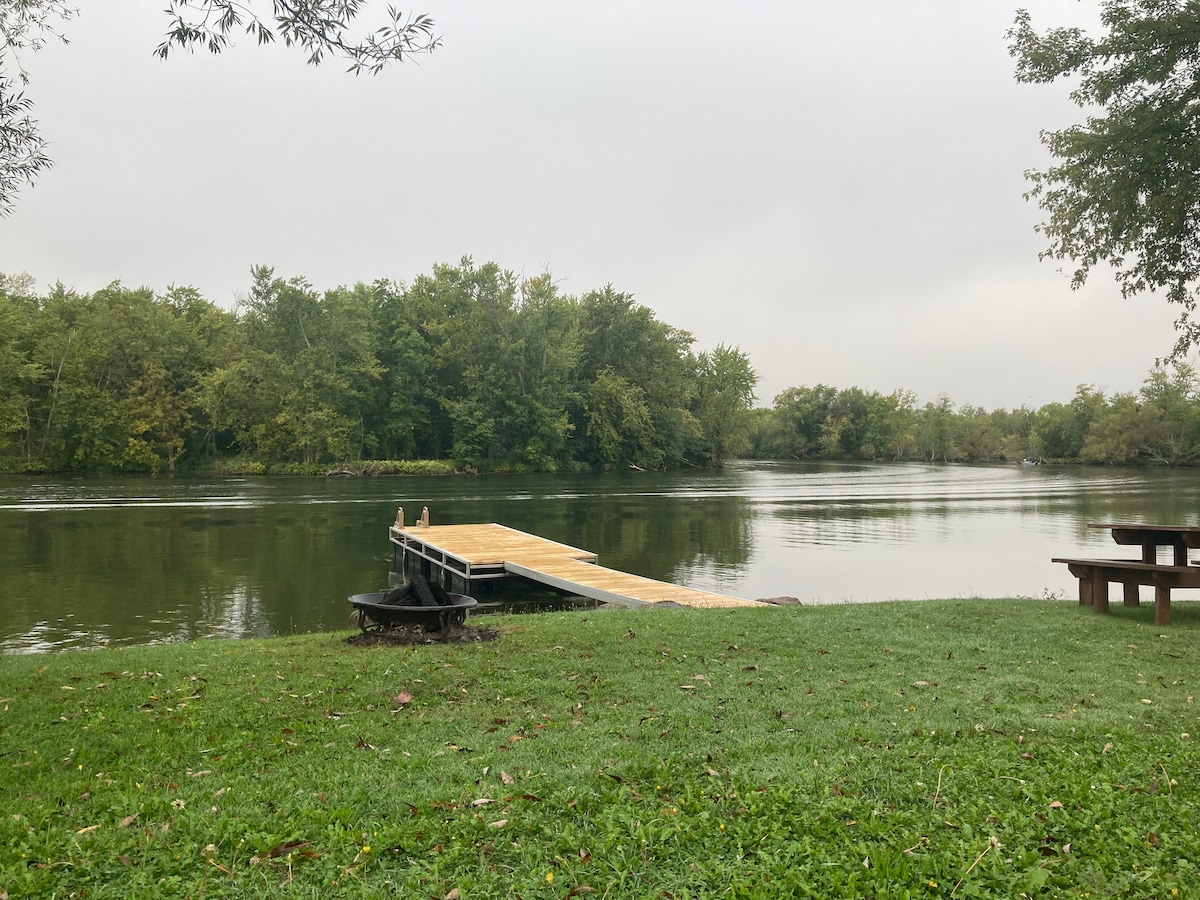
(833, 186)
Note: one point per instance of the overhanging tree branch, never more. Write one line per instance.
(322, 28)
(1124, 190)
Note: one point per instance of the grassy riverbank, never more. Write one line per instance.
(967, 749)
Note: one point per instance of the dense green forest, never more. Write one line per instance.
(1160, 424)
(470, 368)
(468, 365)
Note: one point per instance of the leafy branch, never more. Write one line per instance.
(322, 28)
(1125, 186)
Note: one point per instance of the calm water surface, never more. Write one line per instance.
(89, 562)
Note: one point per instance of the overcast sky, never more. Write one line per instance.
(834, 186)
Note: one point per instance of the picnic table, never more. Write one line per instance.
(1151, 537)
(1095, 574)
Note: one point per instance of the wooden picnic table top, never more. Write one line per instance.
(1151, 537)
(1141, 526)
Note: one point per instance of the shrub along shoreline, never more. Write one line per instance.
(937, 748)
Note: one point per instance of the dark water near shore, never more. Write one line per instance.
(84, 562)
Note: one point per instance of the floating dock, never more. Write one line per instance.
(462, 554)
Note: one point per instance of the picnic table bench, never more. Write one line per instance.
(1095, 574)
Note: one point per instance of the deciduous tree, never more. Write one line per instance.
(1124, 189)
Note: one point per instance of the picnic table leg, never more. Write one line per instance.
(1181, 554)
(1085, 589)
(1131, 594)
(1162, 605)
(1150, 553)
(1099, 593)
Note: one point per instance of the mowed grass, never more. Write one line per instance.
(953, 748)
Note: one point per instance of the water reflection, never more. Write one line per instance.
(84, 562)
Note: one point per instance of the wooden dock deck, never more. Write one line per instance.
(493, 551)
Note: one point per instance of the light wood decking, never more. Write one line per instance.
(491, 551)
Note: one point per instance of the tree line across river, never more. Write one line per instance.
(471, 368)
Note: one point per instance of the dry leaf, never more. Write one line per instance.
(499, 823)
(1107, 747)
(129, 820)
(86, 830)
(402, 698)
(1054, 804)
(506, 778)
(482, 801)
(453, 895)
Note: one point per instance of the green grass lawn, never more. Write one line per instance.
(929, 749)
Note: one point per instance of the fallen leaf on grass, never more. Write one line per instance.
(499, 823)
(453, 895)
(129, 820)
(285, 848)
(402, 698)
(482, 801)
(506, 778)
(86, 830)
(1055, 804)
(1107, 747)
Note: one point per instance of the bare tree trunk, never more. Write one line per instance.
(54, 394)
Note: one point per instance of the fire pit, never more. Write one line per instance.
(416, 603)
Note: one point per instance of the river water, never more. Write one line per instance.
(88, 562)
